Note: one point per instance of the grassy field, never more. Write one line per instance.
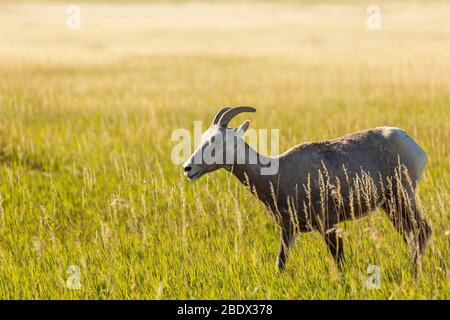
(86, 117)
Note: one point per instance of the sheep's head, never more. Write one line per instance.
(219, 146)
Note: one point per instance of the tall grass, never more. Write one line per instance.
(86, 177)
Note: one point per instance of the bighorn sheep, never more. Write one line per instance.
(320, 184)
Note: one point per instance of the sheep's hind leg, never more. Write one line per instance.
(409, 222)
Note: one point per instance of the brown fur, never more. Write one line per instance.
(322, 183)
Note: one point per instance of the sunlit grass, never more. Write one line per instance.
(86, 176)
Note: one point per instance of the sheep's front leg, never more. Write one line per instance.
(286, 242)
(336, 246)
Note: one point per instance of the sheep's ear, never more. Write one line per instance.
(243, 128)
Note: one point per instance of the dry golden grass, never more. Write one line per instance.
(85, 125)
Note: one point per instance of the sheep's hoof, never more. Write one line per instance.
(280, 265)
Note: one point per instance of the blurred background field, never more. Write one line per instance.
(86, 117)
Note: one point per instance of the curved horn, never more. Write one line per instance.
(230, 114)
(219, 114)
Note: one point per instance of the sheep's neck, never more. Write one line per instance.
(250, 174)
